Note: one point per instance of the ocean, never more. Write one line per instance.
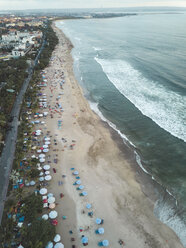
(133, 73)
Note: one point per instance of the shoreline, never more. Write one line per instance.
(112, 187)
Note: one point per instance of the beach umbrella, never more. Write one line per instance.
(38, 134)
(45, 201)
(47, 172)
(41, 174)
(52, 205)
(54, 222)
(39, 168)
(43, 191)
(33, 156)
(45, 217)
(41, 179)
(32, 183)
(49, 245)
(78, 182)
(59, 245)
(48, 178)
(43, 122)
(51, 199)
(47, 143)
(98, 221)
(57, 238)
(40, 115)
(53, 214)
(33, 147)
(39, 151)
(46, 167)
(84, 240)
(45, 113)
(42, 155)
(101, 230)
(105, 242)
(45, 146)
(81, 187)
(50, 195)
(42, 160)
(20, 246)
(84, 193)
(46, 150)
(76, 173)
(88, 206)
(47, 138)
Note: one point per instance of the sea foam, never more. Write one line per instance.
(165, 107)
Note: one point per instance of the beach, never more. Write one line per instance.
(86, 143)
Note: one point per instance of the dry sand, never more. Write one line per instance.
(104, 169)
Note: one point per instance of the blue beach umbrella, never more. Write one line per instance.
(88, 206)
(101, 230)
(78, 182)
(84, 193)
(105, 242)
(72, 168)
(98, 221)
(81, 187)
(84, 240)
(76, 173)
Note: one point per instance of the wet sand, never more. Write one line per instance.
(104, 166)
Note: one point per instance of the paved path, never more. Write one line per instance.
(7, 156)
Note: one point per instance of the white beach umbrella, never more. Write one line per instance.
(45, 113)
(47, 172)
(40, 115)
(45, 217)
(42, 160)
(43, 122)
(43, 191)
(41, 179)
(33, 156)
(20, 246)
(46, 167)
(59, 245)
(39, 151)
(53, 214)
(45, 150)
(57, 238)
(47, 138)
(47, 143)
(38, 134)
(49, 245)
(51, 199)
(39, 168)
(50, 195)
(42, 155)
(45, 146)
(32, 183)
(48, 178)
(41, 174)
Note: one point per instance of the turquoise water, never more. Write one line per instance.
(133, 71)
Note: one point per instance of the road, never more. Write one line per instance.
(7, 156)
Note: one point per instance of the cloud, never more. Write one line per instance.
(43, 4)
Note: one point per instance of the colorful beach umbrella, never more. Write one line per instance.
(84, 240)
(101, 230)
(98, 221)
(105, 242)
(88, 206)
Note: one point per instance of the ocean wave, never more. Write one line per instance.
(166, 108)
(97, 48)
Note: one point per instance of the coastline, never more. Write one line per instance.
(112, 187)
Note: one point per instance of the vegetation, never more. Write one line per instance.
(23, 203)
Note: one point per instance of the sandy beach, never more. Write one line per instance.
(85, 143)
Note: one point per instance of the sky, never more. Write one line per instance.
(43, 4)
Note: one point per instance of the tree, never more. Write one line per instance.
(38, 234)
